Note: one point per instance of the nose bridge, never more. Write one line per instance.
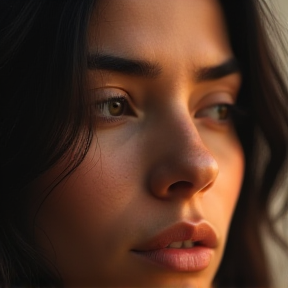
(178, 130)
(184, 164)
(187, 146)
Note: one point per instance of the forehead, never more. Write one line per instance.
(167, 31)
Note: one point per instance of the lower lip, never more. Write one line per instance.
(183, 260)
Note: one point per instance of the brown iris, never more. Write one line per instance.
(223, 112)
(116, 107)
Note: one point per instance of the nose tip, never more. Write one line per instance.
(203, 170)
(184, 172)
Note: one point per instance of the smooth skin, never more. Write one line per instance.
(165, 150)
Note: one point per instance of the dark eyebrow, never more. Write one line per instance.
(133, 67)
(216, 72)
(148, 69)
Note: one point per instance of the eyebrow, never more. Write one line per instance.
(147, 69)
(230, 66)
(132, 67)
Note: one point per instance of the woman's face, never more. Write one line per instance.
(151, 203)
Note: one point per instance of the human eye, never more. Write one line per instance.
(219, 113)
(115, 106)
(111, 106)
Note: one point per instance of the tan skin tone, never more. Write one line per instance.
(164, 151)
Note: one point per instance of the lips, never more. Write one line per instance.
(164, 249)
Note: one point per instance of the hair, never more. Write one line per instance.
(44, 116)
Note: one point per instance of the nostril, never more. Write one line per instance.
(184, 186)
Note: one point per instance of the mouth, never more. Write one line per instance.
(185, 247)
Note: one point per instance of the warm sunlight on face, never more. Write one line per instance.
(151, 203)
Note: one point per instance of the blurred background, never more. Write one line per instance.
(284, 5)
(279, 263)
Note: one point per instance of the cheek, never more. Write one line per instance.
(224, 194)
(87, 205)
(82, 214)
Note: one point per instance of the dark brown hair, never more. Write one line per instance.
(44, 116)
(264, 136)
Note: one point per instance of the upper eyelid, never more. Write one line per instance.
(215, 98)
(111, 98)
(101, 94)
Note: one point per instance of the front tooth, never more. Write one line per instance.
(176, 244)
(188, 244)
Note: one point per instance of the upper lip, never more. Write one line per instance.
(202, 233)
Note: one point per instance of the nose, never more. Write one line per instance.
(183, 165)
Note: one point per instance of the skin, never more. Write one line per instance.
(165, 160)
